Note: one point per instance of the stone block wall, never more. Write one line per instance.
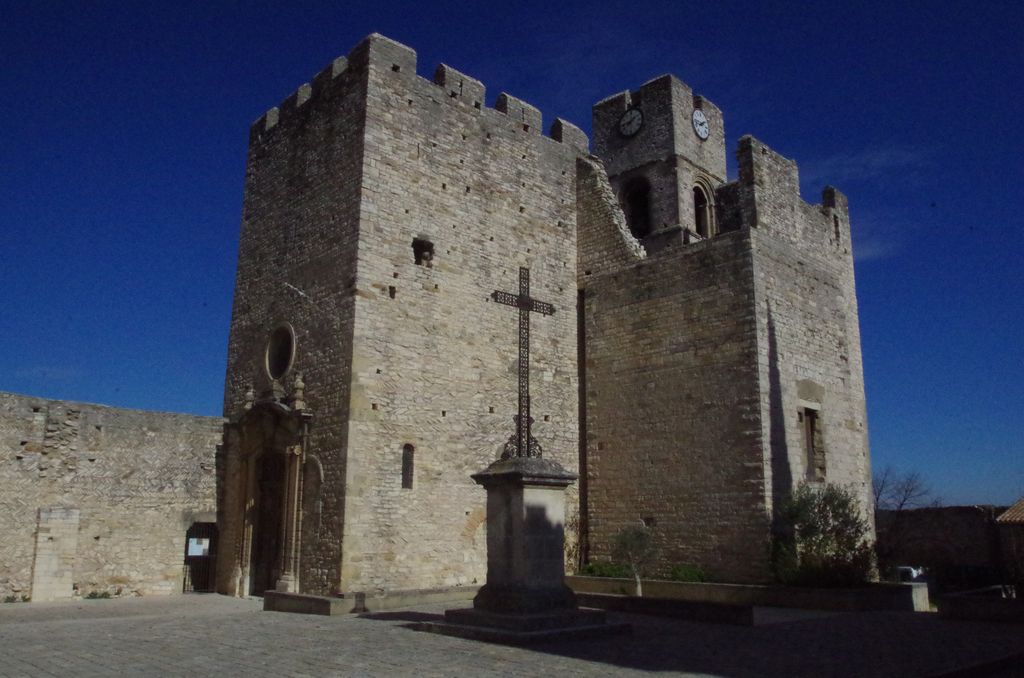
(434, 357)
(673, 436)
(297, 266)
(98, 497)
(808, 328)
(402, 359)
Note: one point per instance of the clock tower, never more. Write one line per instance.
(664, 150)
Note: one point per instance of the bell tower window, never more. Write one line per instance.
(703, 215)
(636, 204)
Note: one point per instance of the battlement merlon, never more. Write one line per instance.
(385, 57)
(458, 85)
(769, 192)
(568, 133)
(518, 110)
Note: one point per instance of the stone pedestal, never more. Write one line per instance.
(525, 537)
(525, 598)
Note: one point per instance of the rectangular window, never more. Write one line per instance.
(814, 446)
(407, 466)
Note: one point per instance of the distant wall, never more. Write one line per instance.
(958, 544)
(99, 498)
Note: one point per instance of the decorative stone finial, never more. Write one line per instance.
(250, 399)
(298, 392)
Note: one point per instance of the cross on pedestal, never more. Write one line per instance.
(522, 444)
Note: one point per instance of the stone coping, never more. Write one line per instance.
(876, 596)
(359, 602)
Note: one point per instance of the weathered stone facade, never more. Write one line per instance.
(345, 181)
(99, 499)
(698, 365)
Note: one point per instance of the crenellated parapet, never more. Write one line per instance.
(767, 196)
(382, 56)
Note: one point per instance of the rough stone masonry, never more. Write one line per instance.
(703, 361)
(711, 364)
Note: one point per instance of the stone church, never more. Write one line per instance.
(703, 355)
(696, 356)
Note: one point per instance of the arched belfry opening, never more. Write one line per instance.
(703, 213)
(636, 205)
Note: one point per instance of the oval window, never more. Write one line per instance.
(280, 351)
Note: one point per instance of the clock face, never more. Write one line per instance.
(700, 124)
(631, 122)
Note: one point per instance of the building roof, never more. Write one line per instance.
(1013, 515)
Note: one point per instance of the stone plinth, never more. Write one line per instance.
(525, 536)
(525, 598)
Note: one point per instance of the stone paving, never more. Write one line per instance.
(199, 635)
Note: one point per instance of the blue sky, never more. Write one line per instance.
(123, 141)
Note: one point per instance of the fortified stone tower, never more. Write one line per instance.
(724, 367)
(370, 373)
(703, 355)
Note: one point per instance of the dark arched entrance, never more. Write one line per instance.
(200, 558)
(265, 565)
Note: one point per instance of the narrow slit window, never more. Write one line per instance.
(408, 452)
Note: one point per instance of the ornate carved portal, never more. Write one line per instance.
(272, 439)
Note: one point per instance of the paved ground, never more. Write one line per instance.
(199, 635)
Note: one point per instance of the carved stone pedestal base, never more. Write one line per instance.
(525, 599)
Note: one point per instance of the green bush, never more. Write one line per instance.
(96, 595)
(820, 539)
(635, 546)
(10, 599)
(687, 573)
(606, 569)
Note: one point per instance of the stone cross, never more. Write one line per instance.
(522, 444)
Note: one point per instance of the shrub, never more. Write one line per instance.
(635, 547)
(687, 573)
(821, 539)
(10, 599)
(605, 569)
(96, 595)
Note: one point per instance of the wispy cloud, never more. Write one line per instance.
(868, 164)
(877, 238)
(48, 373)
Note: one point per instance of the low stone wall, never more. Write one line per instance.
(692, 610)
(981, 608)
(98, 500)
(882, 596)
(357, 602)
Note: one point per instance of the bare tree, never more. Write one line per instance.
(896, 491)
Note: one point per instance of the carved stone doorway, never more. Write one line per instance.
(265, 450)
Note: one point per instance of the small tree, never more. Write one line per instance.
(897, 493)
(821, 539)
(634, 547)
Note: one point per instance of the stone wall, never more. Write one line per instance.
(342, 179)
(296, 265)
(672, 411)
(808, 329)
(435, 358)
(99, 498)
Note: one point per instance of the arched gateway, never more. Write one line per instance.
(264, 483)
